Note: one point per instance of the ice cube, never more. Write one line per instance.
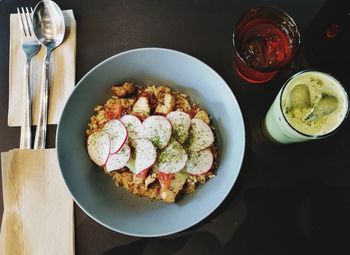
(325, 106)
(253, 51)
(263, 51)
(274, 50)
(299, 97)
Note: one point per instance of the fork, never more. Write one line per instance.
(30, 47)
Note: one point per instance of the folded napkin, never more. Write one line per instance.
(62, 72)
(38, 210)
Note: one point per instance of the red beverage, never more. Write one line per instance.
(266, 39)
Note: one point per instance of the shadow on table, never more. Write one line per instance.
(196, 243)
(133, 248)
(308, 218)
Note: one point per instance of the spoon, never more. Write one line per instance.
(49, 29)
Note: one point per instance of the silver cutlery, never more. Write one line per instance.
(30, 47)
(49, 29)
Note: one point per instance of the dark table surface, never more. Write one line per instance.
(287, 200)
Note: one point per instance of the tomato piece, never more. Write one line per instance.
(164, 180)
(143, 173)
(110, 115)
(115, 112)
(141, 176)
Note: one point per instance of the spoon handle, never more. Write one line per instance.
(40, 134)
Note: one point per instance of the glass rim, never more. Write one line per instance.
(332, 77)
(270, 7)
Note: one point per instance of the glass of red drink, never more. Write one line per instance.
(266, 39)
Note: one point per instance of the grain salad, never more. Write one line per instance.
(153, 141)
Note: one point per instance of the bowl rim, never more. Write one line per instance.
(241, 156)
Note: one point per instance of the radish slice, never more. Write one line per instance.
(117, 133)
(200, 162)
(133, 126)
(172, 159)
(145, 155)
(181, 122)
(201, 135)
(158, 130)
(131, 162)
(98, 146)
(118, 160)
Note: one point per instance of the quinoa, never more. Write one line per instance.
(162, 100)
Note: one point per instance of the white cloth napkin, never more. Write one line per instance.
(62, 72)
(38, 210)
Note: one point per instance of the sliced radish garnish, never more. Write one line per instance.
(133, 125)
(145, 155)
(181, 123)
(200, 162)
(118, 160)
(98, 146)
(201, 135)
(158, 130)
(117, 133)
(172, 159)
(131, 162)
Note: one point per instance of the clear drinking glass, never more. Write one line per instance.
(266, 39)
(311, 105)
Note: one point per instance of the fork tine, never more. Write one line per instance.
(27, 21)
(30, 23)
(31, 13)
(24, 21)
(21, 21)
